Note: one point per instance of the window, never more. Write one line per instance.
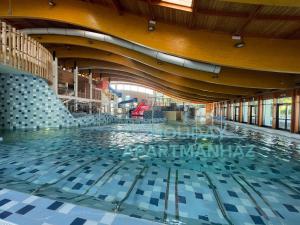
(141, 89)
(133, 88)
(245, 112)
(187, 3)
(268, 112)
(113, 86)
(127, 87)
(120, 87)
(284, 113)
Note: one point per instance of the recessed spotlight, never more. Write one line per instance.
(51, 3)
(240, 44)
(151, 25)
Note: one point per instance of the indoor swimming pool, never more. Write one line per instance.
(173, 174)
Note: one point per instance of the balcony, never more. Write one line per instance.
(20, 53)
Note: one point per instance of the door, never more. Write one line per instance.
(284, 112)
(253, 114)
(236, 113)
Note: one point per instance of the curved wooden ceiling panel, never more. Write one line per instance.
(261, 54)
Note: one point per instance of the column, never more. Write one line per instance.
(295, 112)
(76, 87)
(228, 110)
(274, 120)
(249, 111)
(55, 75)
(260, 111)
(241, 111)
(91, 91)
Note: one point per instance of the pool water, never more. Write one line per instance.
(169, 173)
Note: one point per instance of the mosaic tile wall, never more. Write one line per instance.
(27, 102)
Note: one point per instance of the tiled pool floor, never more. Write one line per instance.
(25, 209)
(87, 168)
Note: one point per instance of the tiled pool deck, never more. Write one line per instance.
(25, 209)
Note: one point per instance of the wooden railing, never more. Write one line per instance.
(23, 53)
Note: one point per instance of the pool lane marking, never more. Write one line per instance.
(136, 179)
(113, 173)
(167, 196)
(263, 198)
(176, 197)
(286, 185)
(45, 185)
(97, 181)
(244, 189)
(219, 202)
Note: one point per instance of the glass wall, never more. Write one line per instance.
(245, 112)
(236, 112)
(268, 112)
(284, 113)
(231, 111)
(224, 112)
(253, 112)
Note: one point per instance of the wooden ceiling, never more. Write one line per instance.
(218, 16)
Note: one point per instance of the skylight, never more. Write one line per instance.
(187, 3)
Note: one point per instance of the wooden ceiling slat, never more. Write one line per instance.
(213, 15)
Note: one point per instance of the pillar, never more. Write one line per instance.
(228, 110)
(295, 112)
(241, 111)
(249, 111)
(76, 87)
(55, 75)
(274, 112)
(260, 111)
(91, 91)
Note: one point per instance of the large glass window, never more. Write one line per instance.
(237, 112)
(268, 112)
(245, 112)
(134, 88)
(253, 112)
(284, 113)
(224, 113)
(231, 111)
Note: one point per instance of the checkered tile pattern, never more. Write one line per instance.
(27, 102)
(86, 167)
(20, 208)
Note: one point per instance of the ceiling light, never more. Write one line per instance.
(240, 44)
(51, 3)
(151, 25)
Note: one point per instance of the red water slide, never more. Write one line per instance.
(140, 109)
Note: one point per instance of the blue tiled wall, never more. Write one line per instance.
(27, 102)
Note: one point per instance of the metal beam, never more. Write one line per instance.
(193, 15)
(151, 10)
(251, 16)
(224, 13)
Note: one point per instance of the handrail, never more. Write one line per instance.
(21, 52)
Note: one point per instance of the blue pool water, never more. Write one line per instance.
(170, 173)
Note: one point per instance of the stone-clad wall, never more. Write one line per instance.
(27, 102)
